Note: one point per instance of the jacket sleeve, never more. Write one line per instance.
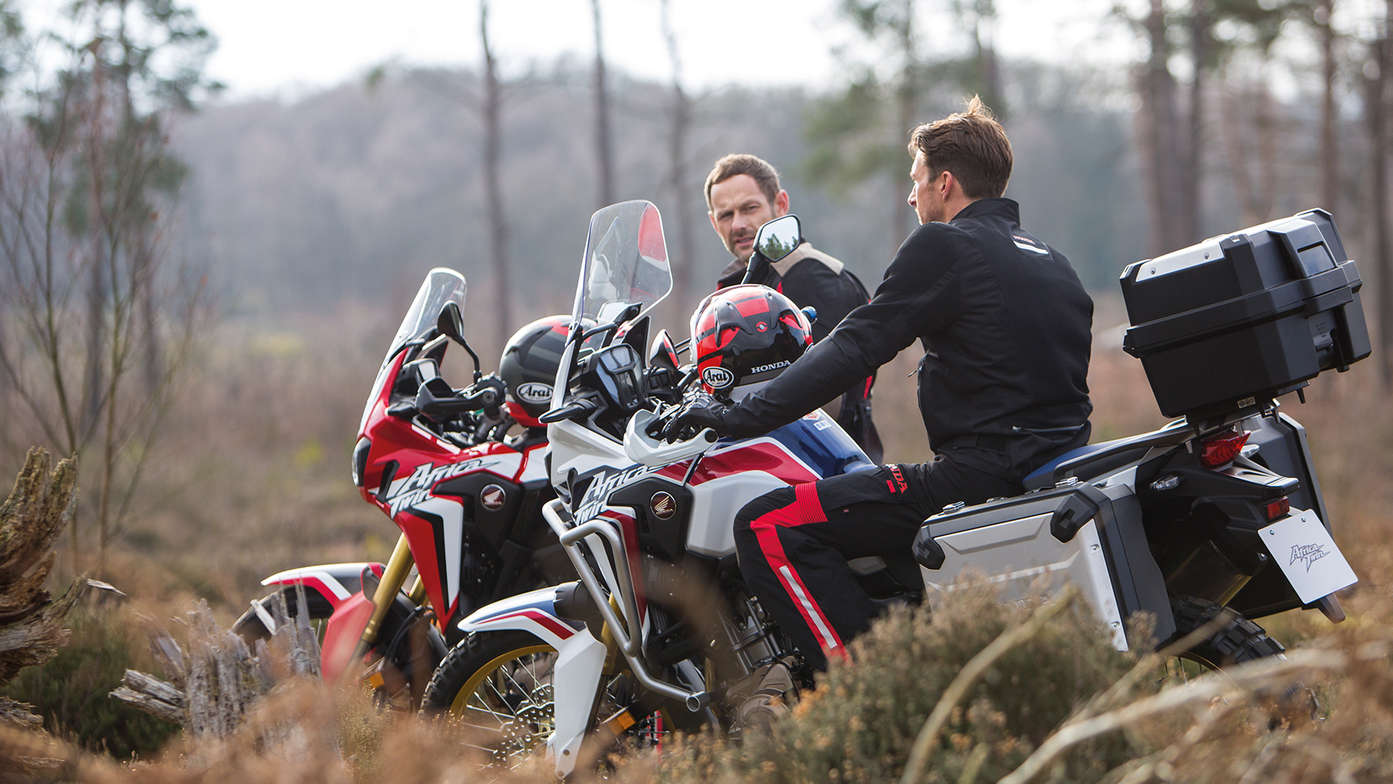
(918, 296)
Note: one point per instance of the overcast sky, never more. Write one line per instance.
(289, 47)
(293, 45)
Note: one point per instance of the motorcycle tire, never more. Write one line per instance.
(498, 684)
(407, 675)
(1235, 641)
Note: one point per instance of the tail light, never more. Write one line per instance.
(1223, 449)
(1278, 508)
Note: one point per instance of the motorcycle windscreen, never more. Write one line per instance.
(441, 285)
(625, 263)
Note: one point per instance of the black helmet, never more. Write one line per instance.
(745, 335)
(528, 367)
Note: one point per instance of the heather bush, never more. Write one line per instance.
(861, 721)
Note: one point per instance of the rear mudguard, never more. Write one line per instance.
(580, 659)
(341, 585)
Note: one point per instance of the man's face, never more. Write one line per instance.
(925, 196)
(738, 209)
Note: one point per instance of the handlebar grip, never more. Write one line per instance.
(567, 411)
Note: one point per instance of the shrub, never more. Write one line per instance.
(70, 690)
(861, 722)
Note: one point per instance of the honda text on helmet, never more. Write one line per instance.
(746, 335)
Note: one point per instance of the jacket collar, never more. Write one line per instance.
(1006, 209)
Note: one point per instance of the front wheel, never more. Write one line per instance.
(499, 685)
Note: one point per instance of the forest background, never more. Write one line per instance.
(197, 286)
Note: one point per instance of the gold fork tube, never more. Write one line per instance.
(398, 566)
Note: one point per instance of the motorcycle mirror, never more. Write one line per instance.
(662, 353)
(450, 323)
(777, 238)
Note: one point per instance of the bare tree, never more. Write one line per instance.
(493, 188)
(604, 153)
(83, 183)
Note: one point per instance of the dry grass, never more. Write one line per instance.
(252, 477)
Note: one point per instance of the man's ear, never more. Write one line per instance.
(781, 204)
(947, 182)
(711, 216)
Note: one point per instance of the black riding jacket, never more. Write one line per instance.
(1005, 326)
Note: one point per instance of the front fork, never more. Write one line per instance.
(398, 566)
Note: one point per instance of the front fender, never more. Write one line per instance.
(579, 662)
(335, 582)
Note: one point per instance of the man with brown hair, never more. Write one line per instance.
(742, 194)
(1002, 386)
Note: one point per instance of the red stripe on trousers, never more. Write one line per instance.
(804, 509)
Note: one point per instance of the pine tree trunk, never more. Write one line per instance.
(682, 265)
(1192, 176)
(1158, 135)
(493, 189)
(907, 95)
(1329, 151)
(1376, 111)
(604, 154)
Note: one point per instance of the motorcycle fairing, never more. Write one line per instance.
(435, 524)
(335, 582)
(579, 661)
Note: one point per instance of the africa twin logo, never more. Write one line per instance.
(1307, 554)
(533, 392)
(717, 377)
(414, 489)
(602, 486)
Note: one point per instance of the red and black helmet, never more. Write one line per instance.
(744, 335)
(528, 367)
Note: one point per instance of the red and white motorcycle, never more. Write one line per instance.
(467, 497)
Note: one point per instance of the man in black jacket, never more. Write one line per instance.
(1005, 326)
(742, 193)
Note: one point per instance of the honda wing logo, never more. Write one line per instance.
(717, 377)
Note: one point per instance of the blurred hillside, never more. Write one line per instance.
(355, 192)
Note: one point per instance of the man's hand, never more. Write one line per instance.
(697, 414)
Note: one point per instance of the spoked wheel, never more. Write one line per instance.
(499, 686)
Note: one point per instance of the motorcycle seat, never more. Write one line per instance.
(1111, 454)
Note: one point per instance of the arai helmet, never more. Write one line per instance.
(746, 335)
